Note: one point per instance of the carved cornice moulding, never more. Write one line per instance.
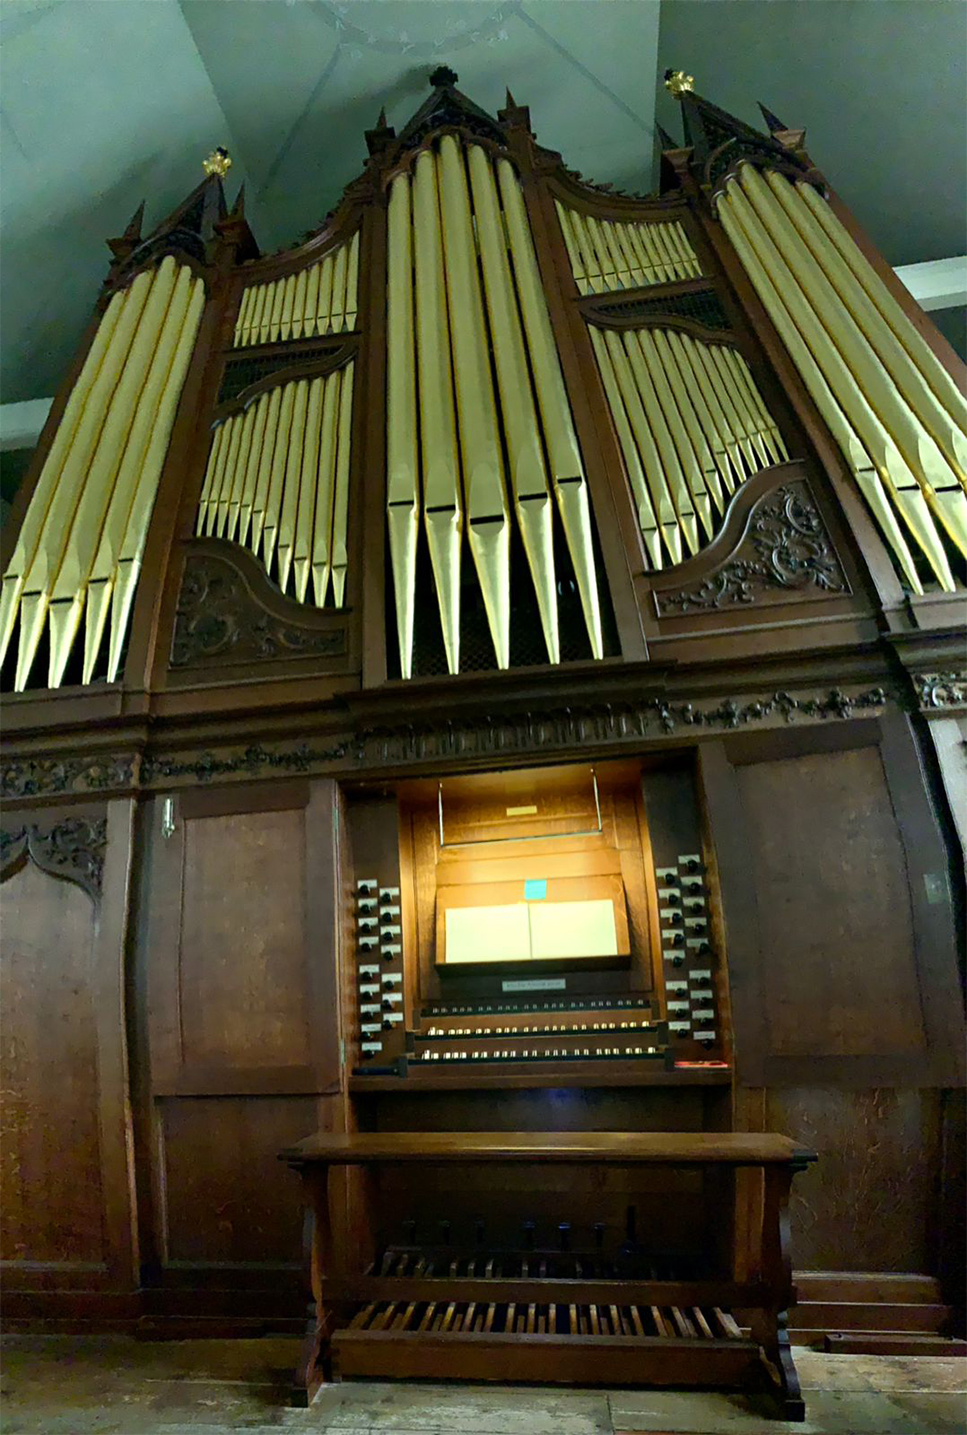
(51, 776)
(72, 849)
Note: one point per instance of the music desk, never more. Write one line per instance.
(452, 1313)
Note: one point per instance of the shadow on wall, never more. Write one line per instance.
(13, 465)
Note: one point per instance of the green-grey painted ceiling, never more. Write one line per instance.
(106, 102)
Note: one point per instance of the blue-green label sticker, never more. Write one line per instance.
(535, 889)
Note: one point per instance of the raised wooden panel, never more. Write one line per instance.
(52, 1198)
(227, 1199)
(870, 1201)
(243, 948)
(833, 906)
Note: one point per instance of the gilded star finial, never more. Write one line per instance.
(218, 162)
(677, 82)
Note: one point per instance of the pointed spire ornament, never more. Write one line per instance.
(665, 138)
(773, 122)
(125, 243)
(218, 162)
(443, 76)
(380, 135)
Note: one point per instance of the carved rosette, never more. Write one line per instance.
(72, 849)
(221, 620)
(786, 548)
(40, 777)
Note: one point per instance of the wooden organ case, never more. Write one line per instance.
(485, 686)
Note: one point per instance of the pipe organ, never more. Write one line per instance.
(485, 686)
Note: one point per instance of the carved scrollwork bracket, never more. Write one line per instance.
(72, 849)
(785, 548)
(937, 691)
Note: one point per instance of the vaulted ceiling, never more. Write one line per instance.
(103, 104)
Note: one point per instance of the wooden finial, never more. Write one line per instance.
(665, 138)
(772, 121)
(442, 76)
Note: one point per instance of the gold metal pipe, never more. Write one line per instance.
(636, 275)
(592, 261)
(136, 531)
(58, 520)
(253, 334)
(642, 253)
(663, 509)
(910, 382)
(308, 490)
(102, 569)
(528, 475)
(920, 451)
(663, 272)
(238, 477)
(767, 424)
(265, 317)
(299, 303)
(618, 261)
(340, 502)
(275, 319)
(288, 299)
(290, 491)
(725, 451)
(916, 346)
(745, 424)
(273, 404)
(260, 409)
(33, 522)
(402, 471)
(757, 430)
(647, 521)
(338, 311)
(652, 421)
(688, 458)
(680, 247)
(665, 359)
(322, 534)
(570, 486)
(273, 497)
(671, 260)
(230, 477)
(310, 308)
(441, 470)
(737, 427)
(244, 310)
(485, 497)
(602, 249)
(214, 453)
(352, 282)
(570, 243)
(324, 302)
(841, 405)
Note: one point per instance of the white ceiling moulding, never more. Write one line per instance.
(937, 283)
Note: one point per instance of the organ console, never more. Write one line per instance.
(482, 686)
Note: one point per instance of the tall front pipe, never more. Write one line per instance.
(340, 499)
(441, 467)
(485, 497)
(570, 486)
(402, 477)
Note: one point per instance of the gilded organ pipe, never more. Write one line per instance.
(918, 480)
(319, 299)
(76, 556)
(402, 473)
(685, 445)
(277, 482)
(620, 254)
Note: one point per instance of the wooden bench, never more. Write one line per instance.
(382, 1312)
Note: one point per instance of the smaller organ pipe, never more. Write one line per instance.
(636, 275)
(636, 476)
(352, 282)
(273, 497)
(228, 479)
(670, 464)
(642, 254)
(340, 502)
(275, 317)
(688, 459)
(244, 312)
(322, 534)
(602, 249)
(289, 503)
(311, 305)
(299, 303)
(214, 453)
(715, 431)
(233, 514)
(338, 310)
(260, 409)
(272, 403)
(592, 263)
(762, 419)
(570, 243)
(254, 332)
(664, 357)
(308, 490)
(324, 301)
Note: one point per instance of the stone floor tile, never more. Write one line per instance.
(907, 1372)
(828, 1412)
(818, 1371)
(939, 1412)
(463, 1410)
